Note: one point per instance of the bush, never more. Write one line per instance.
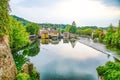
(22, 76)
(35, 75)
(101, 70)
(111, 71)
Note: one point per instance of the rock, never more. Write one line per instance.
(101, 78)
(28, 68)
(8, 69)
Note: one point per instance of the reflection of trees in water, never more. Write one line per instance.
(73, 42)
(32, 50)
(20, 57)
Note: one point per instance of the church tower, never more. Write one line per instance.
(73, 24)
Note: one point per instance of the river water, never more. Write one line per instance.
(68, 60)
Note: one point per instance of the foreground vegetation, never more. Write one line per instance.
(110, 71)
(18, 37)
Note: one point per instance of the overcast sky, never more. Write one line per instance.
(84, 12)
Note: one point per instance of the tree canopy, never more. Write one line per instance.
(32, 28)
(18, 35)
(71, 29)
(4, 17)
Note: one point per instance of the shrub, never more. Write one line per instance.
(22, 76)
(111, 71)
(101, 70)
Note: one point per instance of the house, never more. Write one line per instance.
(66, 35)
(53, 34)
(44, 33)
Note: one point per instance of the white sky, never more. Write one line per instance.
(83, 12)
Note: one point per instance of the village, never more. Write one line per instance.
(51, 33)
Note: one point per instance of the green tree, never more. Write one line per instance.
(116, 37)
(67, 29)
(88, 31)
(4, 8)
(97, 33)
(32, 28)
(110, 71)
(109, 35)
(73, 29)
(18, 35)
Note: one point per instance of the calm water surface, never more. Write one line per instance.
(68, 61)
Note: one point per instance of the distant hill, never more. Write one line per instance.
(45, 25)
(21, 19)
(50, 25)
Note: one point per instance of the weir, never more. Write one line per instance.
(98, 46)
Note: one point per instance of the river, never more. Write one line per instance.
(68, 60)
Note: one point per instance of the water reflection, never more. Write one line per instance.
(68, 60)
(73, 42)
(19, 59)
(21, 56)
(56, 41)
(65, 40)
(45, 41)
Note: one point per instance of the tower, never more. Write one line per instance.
(73, 24)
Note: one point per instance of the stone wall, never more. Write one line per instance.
(8, 69)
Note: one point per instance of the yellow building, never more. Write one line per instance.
(44, 34)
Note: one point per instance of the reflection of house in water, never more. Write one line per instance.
(73, 42)
(66, 35)
(65, 40)
(54, 41)
(45, 41)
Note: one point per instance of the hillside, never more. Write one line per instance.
(21, 19)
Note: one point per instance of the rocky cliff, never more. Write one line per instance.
(7, 66)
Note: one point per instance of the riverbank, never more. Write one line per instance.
(98, 46)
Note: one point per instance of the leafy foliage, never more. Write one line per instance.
(4, 17)
(87, 31)
(109, 34)
(34, 75)
(23, 21)
(111, 71)
(20, 56)
(71, 29)
(32, 50)
(32, 28)
(23, 76)
(97, 33)
(18, 35)
(67, 29)
(113, 36)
